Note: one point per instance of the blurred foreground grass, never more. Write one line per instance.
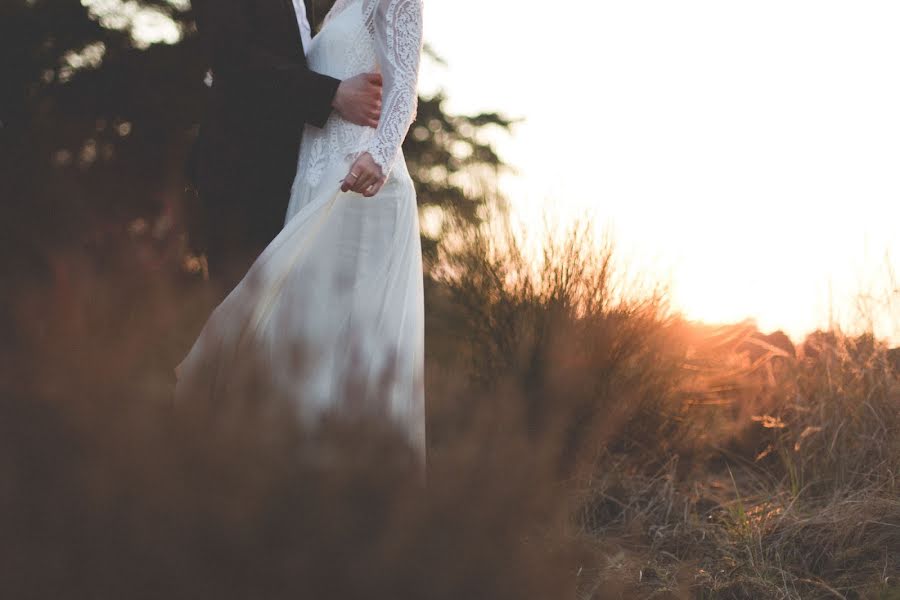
(584, 442)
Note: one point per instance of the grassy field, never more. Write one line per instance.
(584, 442)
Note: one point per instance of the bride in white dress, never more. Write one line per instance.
(333, 307)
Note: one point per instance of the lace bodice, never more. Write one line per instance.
(361, 36)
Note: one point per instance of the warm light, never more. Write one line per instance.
(749, 151)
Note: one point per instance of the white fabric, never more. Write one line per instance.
(343, 279)
(360, 36)
(303, 23)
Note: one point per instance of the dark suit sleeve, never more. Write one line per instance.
(236, 55)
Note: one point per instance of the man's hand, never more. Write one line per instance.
(358, 99)
(365, 177)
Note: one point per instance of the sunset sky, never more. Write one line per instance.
(748, 152)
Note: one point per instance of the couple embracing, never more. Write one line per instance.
(311, 215)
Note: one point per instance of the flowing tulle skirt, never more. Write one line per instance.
(331, 312)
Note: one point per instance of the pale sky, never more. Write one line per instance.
(748, 152)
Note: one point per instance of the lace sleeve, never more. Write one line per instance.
(397, 29)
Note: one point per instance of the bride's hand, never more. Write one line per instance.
(365, 177)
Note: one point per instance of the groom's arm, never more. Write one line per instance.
(223, 24)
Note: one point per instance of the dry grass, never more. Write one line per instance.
(584, 442)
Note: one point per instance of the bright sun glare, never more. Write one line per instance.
(748, 152)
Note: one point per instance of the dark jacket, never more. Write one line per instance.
(262, 95)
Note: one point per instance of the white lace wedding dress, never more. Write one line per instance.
(331, 313)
